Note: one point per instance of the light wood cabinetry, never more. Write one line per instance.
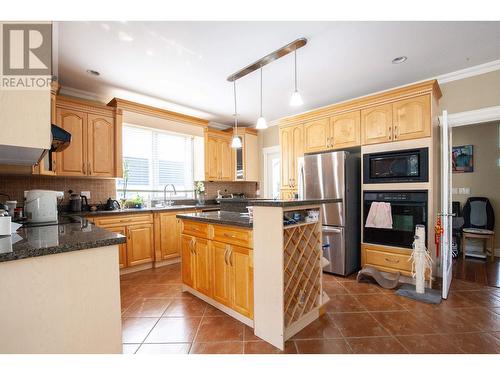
(217, 261)
(376, 124)
(317, 135)
(292, 147)
(245, 160)
(139, 230)
(139, 244)
(345, 130)
(95, 148)
(168, 231)
(411, 118)
(218, 156)
(402, 120)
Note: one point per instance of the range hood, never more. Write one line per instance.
(60, 138)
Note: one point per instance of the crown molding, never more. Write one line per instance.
(477, 116)
(77, 93)
(469, 72)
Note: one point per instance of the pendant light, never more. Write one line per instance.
(236, 142)
(261, 121)
(296, 99)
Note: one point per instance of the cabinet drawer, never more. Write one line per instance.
(385, 259)
(233, 236)
(124, 219)
(195, 228)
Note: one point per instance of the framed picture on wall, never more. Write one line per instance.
(462, 159)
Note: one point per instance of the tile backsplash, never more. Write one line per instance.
(100, 189)
(248, 188)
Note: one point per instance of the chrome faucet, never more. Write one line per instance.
(170, 201)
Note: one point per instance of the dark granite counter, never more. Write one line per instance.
(70, 234)
(220, 217)
(290, 203)
(145, 210)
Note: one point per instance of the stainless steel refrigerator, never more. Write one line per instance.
(335, 175)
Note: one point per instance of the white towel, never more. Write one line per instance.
(379, 216)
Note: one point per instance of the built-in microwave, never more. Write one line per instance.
(396, 166)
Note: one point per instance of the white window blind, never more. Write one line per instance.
(153, 158)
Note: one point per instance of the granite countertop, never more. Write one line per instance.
(291, 203)
(144, 210)
(70, 234)
(220, 217)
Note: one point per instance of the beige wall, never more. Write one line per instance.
(485, 180)
(471, 93)
(266, 138)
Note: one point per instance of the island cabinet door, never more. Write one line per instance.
(187, 259)
(202, 279)
(221, 272)
(241, 263)
(139, 244)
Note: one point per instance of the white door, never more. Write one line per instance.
(446, 211)
(272, 172)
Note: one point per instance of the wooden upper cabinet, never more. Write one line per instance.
(221, 272)
(345, 130)
(412, 118)
(101, 135)
(225, 157)
(202, 280)
(292, 147)
(218, 156)
(188, 259)
(73, 160)
(139, 244)
(317, 135)
(241, 263)
(376, 124)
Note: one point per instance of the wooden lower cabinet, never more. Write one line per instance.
(385, 258)
(241, 262)
(188, 260)
(219, 270)
(140, 244)
(122, 248)
(168, 231)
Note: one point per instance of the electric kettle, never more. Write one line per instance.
(40, 206)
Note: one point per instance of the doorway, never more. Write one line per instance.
(272, 174)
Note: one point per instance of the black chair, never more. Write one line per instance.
(479, 221)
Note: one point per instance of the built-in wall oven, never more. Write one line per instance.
(396, 166)
(408, 208)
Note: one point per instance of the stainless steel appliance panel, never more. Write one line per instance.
(334, 249)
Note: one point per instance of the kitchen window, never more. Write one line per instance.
(153, 158)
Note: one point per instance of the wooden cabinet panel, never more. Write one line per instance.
(317, 135)
(122, 248)
(226, 160)
(288, 193)
(221, 273)
(139, 244)
(241, 263)
(195, 228)
(188, 259)
(202, 280)
(115, 220)
(101, 145)
(211, 158)
(386, 258)
(345, 130)
(73, 160)
(376, 124)
(292, 147)
(412, 118)
(169, 235)
(232, 235)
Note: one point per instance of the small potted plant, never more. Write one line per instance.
(199, 189)
(135, 202)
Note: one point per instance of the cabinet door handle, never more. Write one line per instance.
(128, 234)
(230, 256)
(88, 168)
(395, 132)
(229, 235)
(392, 260)
(390, 133)
(83, 168)
(225, 255)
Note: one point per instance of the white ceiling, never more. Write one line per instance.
(183, 66)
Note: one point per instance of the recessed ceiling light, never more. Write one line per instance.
(399, 60)
(93, 72)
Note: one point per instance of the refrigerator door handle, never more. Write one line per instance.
(331, 229)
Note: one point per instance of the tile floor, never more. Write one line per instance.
(361, 318)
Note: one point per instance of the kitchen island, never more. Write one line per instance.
(264, 271)
(60, 289)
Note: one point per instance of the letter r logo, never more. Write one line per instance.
(27, 49)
